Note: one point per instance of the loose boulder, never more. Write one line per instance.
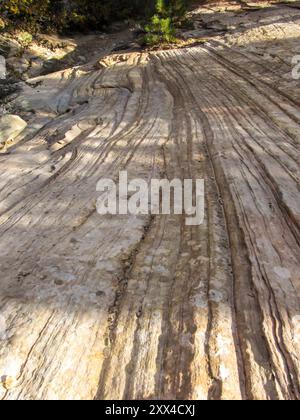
(10, 127)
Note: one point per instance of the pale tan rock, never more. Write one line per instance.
(10, 127)
(140, 307)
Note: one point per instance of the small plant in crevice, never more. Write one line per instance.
(159, 30)
(168, 13)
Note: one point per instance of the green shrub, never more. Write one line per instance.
(162, 25)
(27, 14)
(25, 39)
(64, 15)
(159, 30)
(72, 14)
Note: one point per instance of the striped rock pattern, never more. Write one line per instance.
(114, 307)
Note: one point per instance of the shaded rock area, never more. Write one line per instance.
(141, 307)
(7, 88)
(49, 53)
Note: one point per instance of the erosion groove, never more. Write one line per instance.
(114, 307)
